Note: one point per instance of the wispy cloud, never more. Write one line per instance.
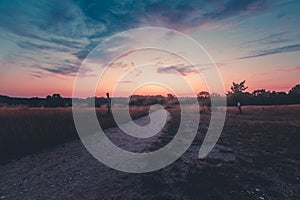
(174, 69)
(279, 50)
(183, 15)
(118, 65)
(278, 71)
(63, 70)
(274, 38)
(73, 28)
(180, 68)
(125, 82)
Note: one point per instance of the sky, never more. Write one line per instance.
(44, 43)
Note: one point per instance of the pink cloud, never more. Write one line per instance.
(268, 73)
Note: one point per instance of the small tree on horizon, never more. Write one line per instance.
(238, 93)
(204, 99)
(170, 96)
(295, 89)
(238, 88)
(54, 101)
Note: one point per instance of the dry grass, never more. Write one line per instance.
(263, 140)
(28, 130)
(265, 143)
(268, 113)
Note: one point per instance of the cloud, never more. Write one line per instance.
(182, 69)
(63, 70)
(278, 71)
(45, 35)
(118, 65)
(184, 15)
(32, 46)
(274, 38)
(125, 82)
(73, 28)
(284, 49)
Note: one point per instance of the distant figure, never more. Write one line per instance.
(108, 103)
(239, 106)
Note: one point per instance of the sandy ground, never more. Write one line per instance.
(257, 157)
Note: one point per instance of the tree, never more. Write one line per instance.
(56, 96)
(171, 100)
(294, 95)
(260, 97)
(261, 92)
(238, 93)
(295, 89)
(54, 101)
(170, 96)
(238, 88)
(203, 95)
(204, 98)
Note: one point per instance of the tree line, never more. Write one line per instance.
(238, 93)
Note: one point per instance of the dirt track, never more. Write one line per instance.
(257, 157)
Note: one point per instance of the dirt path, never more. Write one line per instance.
(70, 172)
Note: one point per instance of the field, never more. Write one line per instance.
(257, 157)
(28, 130)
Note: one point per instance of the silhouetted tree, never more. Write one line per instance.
(204, 98)
(170, 96)
(238, 88)
(54, 101)
(203, 95)
(261, 92)
(171, 100)
(260, 97)
(294, 95)
(295, 90)
(238, 94)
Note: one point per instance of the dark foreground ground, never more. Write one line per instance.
(257, 157)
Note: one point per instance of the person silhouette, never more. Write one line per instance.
(239, 106)
(108, 103)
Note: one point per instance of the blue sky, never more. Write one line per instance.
(44, 42)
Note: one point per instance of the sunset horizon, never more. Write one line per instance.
(254, 41)
(144, 93)
(149, 99)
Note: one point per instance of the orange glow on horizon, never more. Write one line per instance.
(24, 85)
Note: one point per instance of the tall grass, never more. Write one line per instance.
(28, 130)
